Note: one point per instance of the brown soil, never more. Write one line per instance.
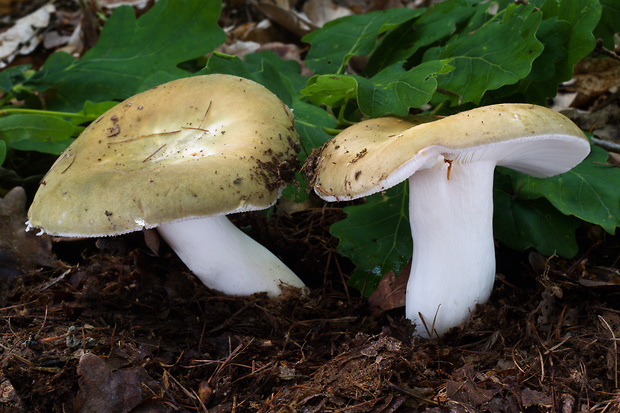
(118, 329)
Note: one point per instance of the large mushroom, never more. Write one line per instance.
(449, 164)
(179, 157)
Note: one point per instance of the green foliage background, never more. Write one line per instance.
(453, 56)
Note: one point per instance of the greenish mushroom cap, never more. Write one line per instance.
(376, 154)
(193, 147)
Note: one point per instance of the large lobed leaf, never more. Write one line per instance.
(566, 33)
(393, 91)
(42, 133)
(47, 132)
(401, 43)
(590, 191)
(609, 24)
(523, 224)
(376, 236)
(498, 53)
(341, 39)
(131, 49)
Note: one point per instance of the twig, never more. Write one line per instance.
(525, 3)
(552, 349)
(615, 344)
(542, 366)
(514, 359)
(232, 317)
(157, 150)
(599, 49)
(410, 393)
(205, 116)
(148, 135)
(607, 145)
(430, 333)
(187, 392)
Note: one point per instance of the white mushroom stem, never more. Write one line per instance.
(453, 264)
(225, 258)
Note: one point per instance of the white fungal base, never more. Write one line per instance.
(453, 265)
(226, 259)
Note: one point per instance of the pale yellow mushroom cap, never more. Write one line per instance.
(193, 147)
(377, 154)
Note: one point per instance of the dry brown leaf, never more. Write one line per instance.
(593, 78)
(290, 19)
(23, 37)
(390, 292)
(322, 11)
(102, 390)
(20, 250)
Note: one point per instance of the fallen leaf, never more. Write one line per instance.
(390, 292)
(293, 21)
(531, 397)
(102, 390)
(593, 78)
(23, 36)
(322, 11)
(20, 250)
(9, 399)
(468, 392)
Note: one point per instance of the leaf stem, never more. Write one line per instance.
(332, 131)
(9, 111)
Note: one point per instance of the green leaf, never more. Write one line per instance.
(402, 42)
(523, 224)
(130, 49)
(566, 33)
(2, 151)
(274, 80)
(38, 132)
(583, 16)
(226, 64)
(11, 77)
(281, 77)
(395, 90)
(331, 90)
(376, 236)
(498, 53)
(289, 70)
(341, 39)
(609, 23)
(155, 79)
(553, 34)
(311, 123)
(92, 111)
(589, 191)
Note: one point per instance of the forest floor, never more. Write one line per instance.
(116, 325)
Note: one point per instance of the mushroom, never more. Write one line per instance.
(179, 157)
(449, 164)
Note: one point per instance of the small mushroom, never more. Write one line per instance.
(449, 164)
(179, 157)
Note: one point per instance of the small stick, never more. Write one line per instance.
(615, 349)
(607, 145)
(60, 158)
(151, 155)
(133, 138)
(205, 116)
